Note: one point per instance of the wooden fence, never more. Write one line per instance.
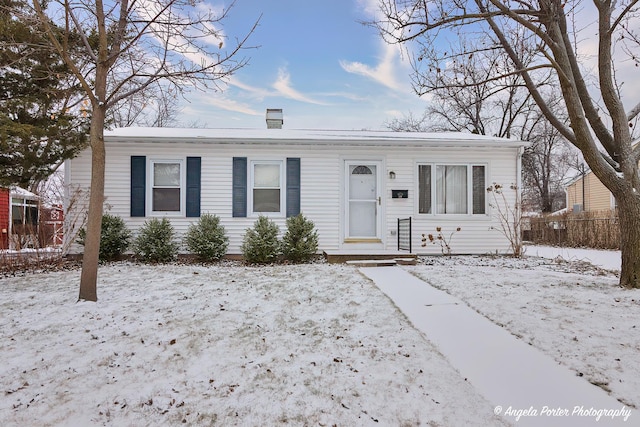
(598, 230)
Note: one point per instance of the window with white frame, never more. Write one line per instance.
(24, 212)
(167, 186)
(445, 189)
(266, 181)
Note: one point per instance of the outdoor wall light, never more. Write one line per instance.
(392, 175)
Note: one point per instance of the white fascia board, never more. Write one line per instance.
(308, 137)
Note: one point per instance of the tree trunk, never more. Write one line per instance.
(90, 258)
(629, 221)
(545, 196)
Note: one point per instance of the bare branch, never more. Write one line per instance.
(622, 15)
(633, 113)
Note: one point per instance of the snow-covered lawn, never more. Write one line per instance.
(222, 345)
(315, 344)
(572, 311)
(607, 259)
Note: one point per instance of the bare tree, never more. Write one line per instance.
(129, 46)
(598, 122)
(154, 106)
(545, 163)
(409, 123)
(474, 96)
(470, 92)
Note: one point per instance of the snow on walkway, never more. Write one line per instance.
(525, 385)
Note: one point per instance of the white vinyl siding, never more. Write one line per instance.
(322, 194)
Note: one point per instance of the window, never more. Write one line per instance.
(444, 189)
(266, 187)
(24, 212)
(166, 186)
(265, 190)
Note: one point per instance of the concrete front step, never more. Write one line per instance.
(342, 256)
(381, 262)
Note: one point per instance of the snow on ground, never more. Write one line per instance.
(571, 311)
(221, 345)
(609, 260)
(313, 344)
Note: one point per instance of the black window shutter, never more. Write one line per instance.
(239, 198)
(293, 186)
(138, 183)
(194, 170)
(479, 190)
(424, 189)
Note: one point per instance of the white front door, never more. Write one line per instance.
(363, 200)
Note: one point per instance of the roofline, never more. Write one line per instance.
(579, 175)
(21, 193)
(307, 137)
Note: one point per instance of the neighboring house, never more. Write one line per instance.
(18, 218)
(586, 193)
(354, 185)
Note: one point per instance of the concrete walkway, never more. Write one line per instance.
(525, 386)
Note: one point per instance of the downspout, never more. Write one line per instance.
(66, 201)
(519, 168)
(584, 201)
(518, 212)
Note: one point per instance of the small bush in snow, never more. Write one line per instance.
(260, 244)
(300, 242)
(115, 237)
(207, 238)
(441, 239)
(156, 241)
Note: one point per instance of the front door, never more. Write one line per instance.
(363, 201)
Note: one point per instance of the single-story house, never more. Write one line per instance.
(354, 185)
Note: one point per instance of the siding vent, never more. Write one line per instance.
(275, 118)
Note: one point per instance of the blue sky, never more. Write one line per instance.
(317, 62)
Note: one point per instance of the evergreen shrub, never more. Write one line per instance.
(156, 241)
(300, 241)
(260, 244)
(115, 237)
(207, 238)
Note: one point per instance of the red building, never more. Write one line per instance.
(4, 218)
(51, 226)
(26, 223)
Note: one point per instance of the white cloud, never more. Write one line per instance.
(224, 103)
(384, 72)
(370, 7)
(184, 43)
(283, 87)
(257, 93)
